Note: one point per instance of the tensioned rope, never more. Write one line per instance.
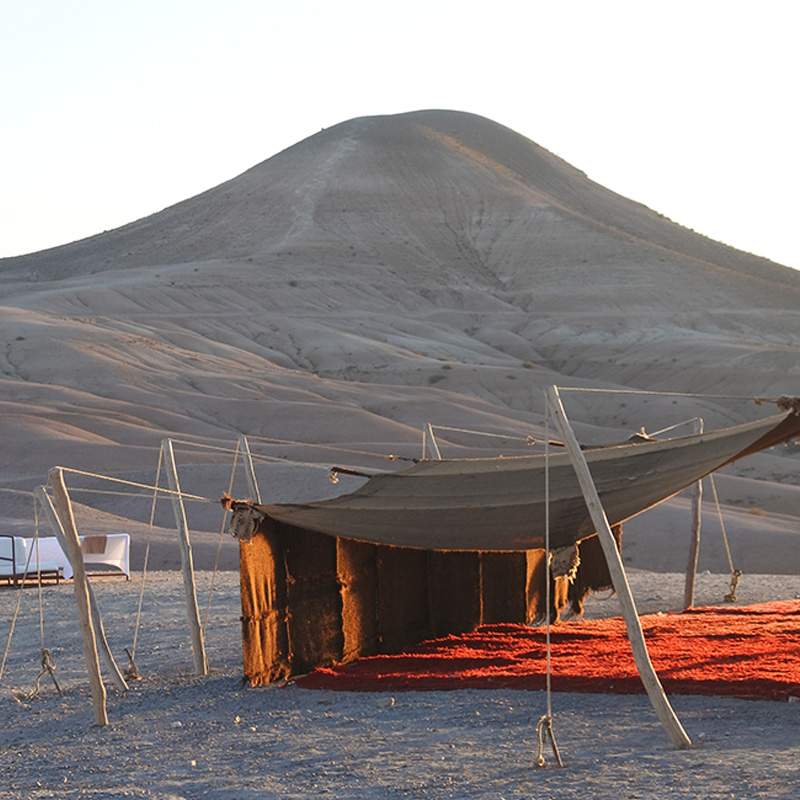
(673, 427)
(47, 662)
(219, 542)
(527, 439)
(186, 496)
(138, 485)
(742, 398)
(545, 727)
(782, 401)
(735, 573)
(338, 448)
(268, 459)
(132, 671)
(263, 458)
(16, 613)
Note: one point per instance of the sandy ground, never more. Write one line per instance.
(330, 303)
(173, 735)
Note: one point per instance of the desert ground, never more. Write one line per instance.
(382, 275)
(174, 735)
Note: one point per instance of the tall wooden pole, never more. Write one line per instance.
(97, 621)
(187, 565)
(694, 545)
(652, 685)
(79, 583)
(250, 472)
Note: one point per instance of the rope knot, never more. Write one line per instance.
(544, 730)
(48, 665)
(735, 575)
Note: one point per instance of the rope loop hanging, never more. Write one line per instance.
(544, 730)
(48, 665)
(735, 573)
(131, 671)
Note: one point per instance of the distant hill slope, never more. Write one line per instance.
(383, 273)
(446, 190)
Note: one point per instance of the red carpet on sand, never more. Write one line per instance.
(748, 652)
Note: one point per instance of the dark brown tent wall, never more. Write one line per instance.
(312, 600)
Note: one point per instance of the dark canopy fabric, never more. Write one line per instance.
(498, 504)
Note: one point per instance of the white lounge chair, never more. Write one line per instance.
(14, 559)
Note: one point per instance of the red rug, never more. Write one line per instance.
(750, 652)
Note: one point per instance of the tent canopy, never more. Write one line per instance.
(498, 504)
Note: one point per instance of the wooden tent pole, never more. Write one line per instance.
(104, 650)
(79, 583)
(433, 443)
(652, 685)
(250, 472)
(694, 546)
(187, 565)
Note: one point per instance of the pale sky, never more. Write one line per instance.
(113, 109)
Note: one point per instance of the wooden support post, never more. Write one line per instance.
(187, 565)
(648, 675)
(433, 443)
(249, 469)
(104, 651)
(694, 546)
(79, 583)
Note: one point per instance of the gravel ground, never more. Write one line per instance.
(173, 735)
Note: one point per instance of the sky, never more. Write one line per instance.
(114, 110)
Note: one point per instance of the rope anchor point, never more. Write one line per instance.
(544, 730)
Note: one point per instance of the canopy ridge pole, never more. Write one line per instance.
(79, 583)
(104, 652)
(694, 546)
(187, 565)
(652, 685)
(249, 469)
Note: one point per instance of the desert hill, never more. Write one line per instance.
(382, 274)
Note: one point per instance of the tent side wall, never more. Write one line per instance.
(454, 592)
(262, 581)
(312, 600)
(504, 578)
(358, 576)
(403, 613)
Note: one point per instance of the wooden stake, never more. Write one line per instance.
(648, 675)
(694, 545)
(187, 565)
(250, 472)
(79, 583)
(97, 621)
